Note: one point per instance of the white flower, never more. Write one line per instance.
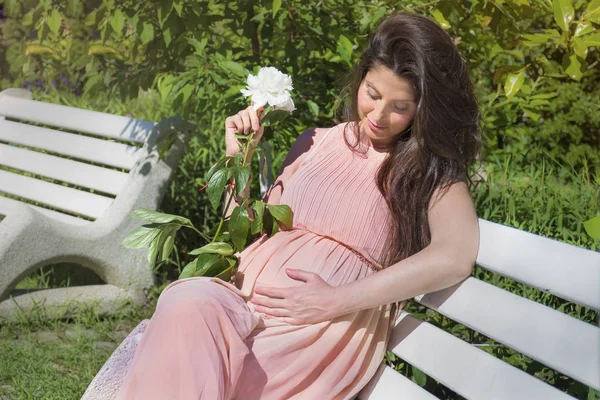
(270, 86)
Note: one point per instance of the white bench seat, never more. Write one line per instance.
(69, 180)
(554, 339)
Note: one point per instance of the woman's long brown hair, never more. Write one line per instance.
(444, 138)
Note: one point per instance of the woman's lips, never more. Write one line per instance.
(375, 127)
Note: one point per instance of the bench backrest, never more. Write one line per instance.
(548, 336)
(75, 161)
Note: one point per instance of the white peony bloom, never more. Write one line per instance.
(272, 87)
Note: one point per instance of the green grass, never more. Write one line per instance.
(51, 358)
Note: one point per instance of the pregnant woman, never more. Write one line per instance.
(382, 213)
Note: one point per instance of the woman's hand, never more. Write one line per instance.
(241, 123)
(314, 301)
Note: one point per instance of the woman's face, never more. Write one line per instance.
(385, 101)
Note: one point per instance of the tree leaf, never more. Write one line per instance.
(228, 272)
(563, 13)
(54, 21)
(189, 271)
(592, 12)
(218, 165)
(273, 117)
(167, 248)
(580, 47)
(117, 21)
(419, 377)
(235, 68)
(241, 176)
(440, 19)
(276, 7)
(592, 40)
(147, 33)
(573, 67)
(259, 212)
(216, 186)
(157, 217)
(239, 224)
(140, 237)
(313, 107)
(221, 248)
(204, 262)
(592, 227)
(583, 28)
(513, 84)
(282, 213)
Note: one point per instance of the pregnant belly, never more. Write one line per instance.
(264, 262)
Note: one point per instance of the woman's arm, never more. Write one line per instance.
(447, 260)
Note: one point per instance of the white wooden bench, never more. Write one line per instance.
(69, 178)
(556, 340)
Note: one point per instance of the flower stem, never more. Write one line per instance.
(246, 151)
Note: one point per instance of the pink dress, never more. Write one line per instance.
(205, 341)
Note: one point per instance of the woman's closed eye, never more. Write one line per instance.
(377, 98)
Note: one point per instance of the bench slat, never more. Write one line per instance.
(76, 119)
(86, 148)
(57, 196)
(388, 384)
(471, 372)
(566, 271)
(557, 340)
(7, 207)
(77, 173)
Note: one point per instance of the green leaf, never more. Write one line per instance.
(241, 176)
(440, 19)
(117, 21)
(218, 165)
(90, 19)
(167, 248)
(592, 12)
(592, 40)
(198, 46)
(140, 237)
(282, 213)
(204, 262)
(239, 223)
(345, 48)
(189, 271)
(273, 117)
(544, 96)
(583, 28)
(592, 227)
(573, 67)
(580, 48)
(419, 377)
(221, 248)
(165, 85)
(541, 38)
(313, 107)
(276, 7)
(563, 13)
(235, 68)
(259, 212)
(228, 272)
(216, 186)
(53, 21)
(513, 84)
(28, 18)
(147, 33)
(157, 217)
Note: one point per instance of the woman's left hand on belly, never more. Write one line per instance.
(313, 301)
